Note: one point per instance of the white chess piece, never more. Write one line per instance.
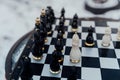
(75, 54)
(118, 34)
(106, 38)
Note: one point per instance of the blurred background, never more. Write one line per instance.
(17, 17)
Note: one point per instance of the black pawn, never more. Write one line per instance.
(59, 45)
(37, 46)
(37, 23)
(55, 66)
(89, 39)
(60, 35)
(75, 22)
(26, 73)
(49, 28)
(73, 74)
(63, 13)
(61, 27)
(52, 16)
(43, 31)
(43, 16)
(58, 55)
(37, 52)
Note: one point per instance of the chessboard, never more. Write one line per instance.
(97, 62)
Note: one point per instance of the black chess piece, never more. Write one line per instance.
(52, 16)
(37, 23)
(58, 55)
(26, 72)
(59, 45)
(60, 35)
(49, 28)
(43, 16)
(55, 66)
(63, 13)
(89, 39)
(43, 31)
(61, 27)
(73, 74)
(37, 48)
(75, 23)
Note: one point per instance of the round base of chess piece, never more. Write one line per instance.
(74, 30)
(89, 45)
(37, 58)
(105, 45)
(100, 6)
(55, 72)
(74, 61)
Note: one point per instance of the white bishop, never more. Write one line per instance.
(106, 38)
(75, 54)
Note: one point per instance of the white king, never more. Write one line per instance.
(75, 54)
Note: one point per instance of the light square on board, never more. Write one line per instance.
(38, 61)
(91, 73)
(67, 62)
(35, 77)
(113, 24)
(67, 22)
(90, 52)
(109, 63)
(117, 52)
(46, 71)
(88, 23)
(99, 43)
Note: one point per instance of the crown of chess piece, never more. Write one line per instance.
(89, 39)
(55, 66)
(75, 23)
(73, 73)
(58, 55)
(26, 73)
(106, 38)
(75, 53)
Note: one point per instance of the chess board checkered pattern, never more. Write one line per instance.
(97, 63)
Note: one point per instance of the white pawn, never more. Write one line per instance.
(118, 34)
(75, 54)
(106, 38)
